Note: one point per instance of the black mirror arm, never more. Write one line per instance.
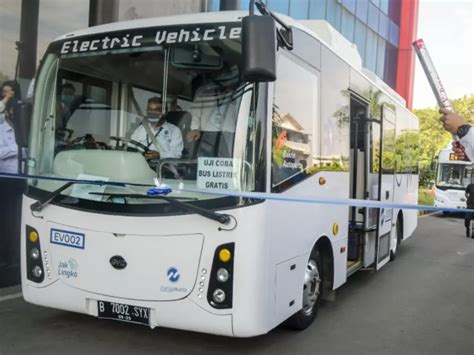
(285, 35)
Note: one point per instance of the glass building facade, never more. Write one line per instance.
(373, 25)
(382, 35)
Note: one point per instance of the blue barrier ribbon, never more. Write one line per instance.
(255, 195)
(338, 202)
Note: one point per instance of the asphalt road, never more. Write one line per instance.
(422, 303)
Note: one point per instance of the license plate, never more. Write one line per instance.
(123, 312)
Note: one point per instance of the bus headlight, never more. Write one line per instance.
(33, 236)
(222, 275)
(37, 271)
(225, 255)
(218, 296)
(35, 253)
(34, 261)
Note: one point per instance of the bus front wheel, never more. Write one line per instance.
(398, 236)
(312, 288)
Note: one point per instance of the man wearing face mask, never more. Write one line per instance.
(67, 104)
(162, 138)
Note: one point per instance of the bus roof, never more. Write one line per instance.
(446, 155)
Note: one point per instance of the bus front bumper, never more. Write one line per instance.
(182, 314)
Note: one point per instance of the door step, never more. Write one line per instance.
(353, 266)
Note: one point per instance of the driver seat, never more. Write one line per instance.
(182, 120)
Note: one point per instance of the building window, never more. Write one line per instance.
(299, 9)
(333, 14)
(384, 26)
(213, 5)
(384, 6)
(347, 25)
(361, 11)
(350, 5)
(379, 70)
(376, 2)
(394, 9)
(394, 36)
(391, 63)
(371, 51)
(360, 36)
(282, 6)
(373, 20)
(317, 9)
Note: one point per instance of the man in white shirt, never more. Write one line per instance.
(214, 114)
(458, 125)
(163, 139)
(8, 148)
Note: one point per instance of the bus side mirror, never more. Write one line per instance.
(22, 122)
(259, 48)
(433, 164)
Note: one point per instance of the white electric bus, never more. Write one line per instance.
(281, 108)
(452, 177)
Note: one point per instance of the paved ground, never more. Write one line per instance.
(421, 303)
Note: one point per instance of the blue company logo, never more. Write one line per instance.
(173, 274)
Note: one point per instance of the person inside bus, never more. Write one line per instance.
(164, 134)
(214, 113)
(459, 126)
(68, 103)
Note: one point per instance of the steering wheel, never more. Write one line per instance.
(87, 142)
(138, 146)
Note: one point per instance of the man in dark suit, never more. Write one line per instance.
(470, 204)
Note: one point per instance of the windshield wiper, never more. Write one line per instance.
(218, 217)
(42, 202)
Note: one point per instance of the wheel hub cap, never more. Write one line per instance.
(312, 286)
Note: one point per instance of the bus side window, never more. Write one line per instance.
(293, 120)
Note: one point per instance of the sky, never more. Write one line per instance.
(56, 17)
(447, 28)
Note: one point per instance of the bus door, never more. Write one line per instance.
(385, 216)
(373, 191)
(365, 180)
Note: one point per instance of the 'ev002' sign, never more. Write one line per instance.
(68, 239)
(150, 37)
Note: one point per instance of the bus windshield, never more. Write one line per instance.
(453, 176)
(128, 107)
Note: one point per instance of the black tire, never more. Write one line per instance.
(305, 316)
(399, 234)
